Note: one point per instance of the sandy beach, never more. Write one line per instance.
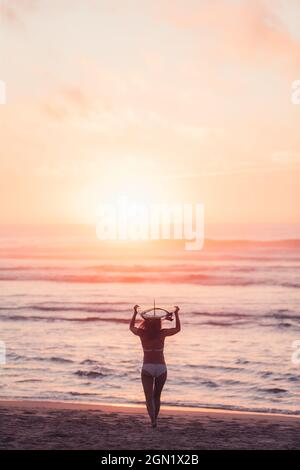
(54, 425)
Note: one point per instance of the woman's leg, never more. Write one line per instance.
(148, 382)
(159, 384)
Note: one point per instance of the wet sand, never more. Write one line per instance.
(55, 425)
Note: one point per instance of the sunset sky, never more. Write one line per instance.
(163, 101)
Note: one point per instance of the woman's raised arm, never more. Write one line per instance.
(132, 326)
(177, 328)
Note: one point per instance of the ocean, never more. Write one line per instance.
(66, 301)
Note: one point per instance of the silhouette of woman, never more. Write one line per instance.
(154, 369)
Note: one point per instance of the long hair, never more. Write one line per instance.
(152, 326)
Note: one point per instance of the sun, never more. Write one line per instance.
(136, 184)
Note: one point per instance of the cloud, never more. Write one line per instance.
(286, 16)
(234, 171)
(13, 11)
(286, 157)
(236, 30)
(68, 100)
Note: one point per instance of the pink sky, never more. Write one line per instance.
(160, 100)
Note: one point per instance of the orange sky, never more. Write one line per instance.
(185, 101)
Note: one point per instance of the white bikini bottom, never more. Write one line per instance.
(154, 369)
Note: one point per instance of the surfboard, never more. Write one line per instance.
(156, 312)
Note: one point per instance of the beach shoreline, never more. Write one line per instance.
(28, 424)
(139, 409)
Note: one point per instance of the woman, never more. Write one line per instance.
(154, 370)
